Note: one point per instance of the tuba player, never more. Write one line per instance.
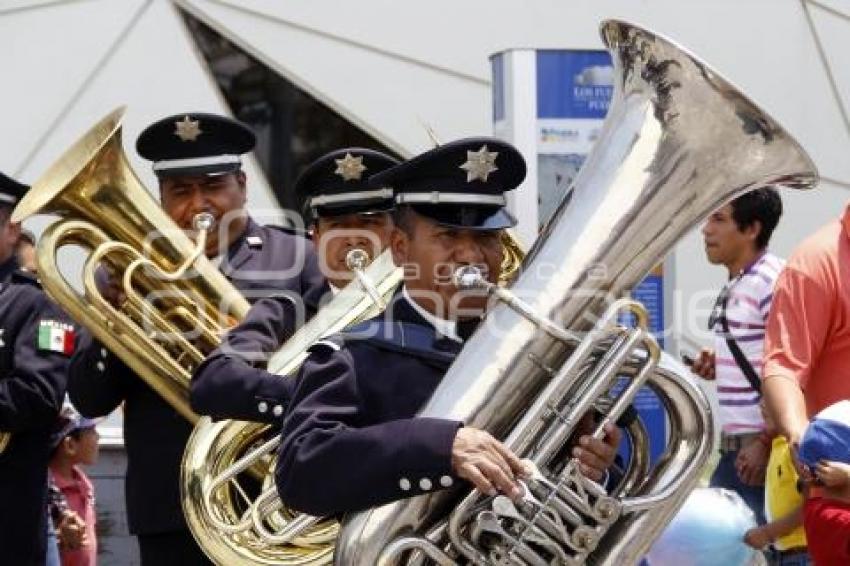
(197, 161)
(350, 438)
(347, 213)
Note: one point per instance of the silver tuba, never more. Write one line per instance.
(679, 141)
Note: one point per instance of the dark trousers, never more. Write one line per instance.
(800, 558)
(176, 548)
(726, 476)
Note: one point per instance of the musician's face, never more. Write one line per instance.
(9, 234)
(335, 236)
(223, 196)
(430, 254)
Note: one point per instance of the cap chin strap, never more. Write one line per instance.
(437, 197)
(351, 198)
(167, 164)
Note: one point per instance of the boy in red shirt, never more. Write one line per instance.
(75, 441)
(825, 452)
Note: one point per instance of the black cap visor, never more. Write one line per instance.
(468, 217)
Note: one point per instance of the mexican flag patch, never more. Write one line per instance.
(55, 336)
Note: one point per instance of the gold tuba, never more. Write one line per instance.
(678, 142)
(234, 527)
(178, 303)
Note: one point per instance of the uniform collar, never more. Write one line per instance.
(7, 268)
(242, 249)
(446, 328)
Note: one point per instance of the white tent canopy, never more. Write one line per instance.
(67, 64)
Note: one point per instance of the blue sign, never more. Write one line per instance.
(574, 84)
(650, 293)
(574, 89)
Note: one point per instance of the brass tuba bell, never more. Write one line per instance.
(178, 304)
(232, 526)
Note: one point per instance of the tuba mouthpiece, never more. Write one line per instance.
(203, 221)
(356, 259)
(467, 277)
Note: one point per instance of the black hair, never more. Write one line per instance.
(403, 218)
(762, 205)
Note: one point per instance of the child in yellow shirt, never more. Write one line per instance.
(783, 507)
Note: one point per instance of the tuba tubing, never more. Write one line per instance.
(264, 532)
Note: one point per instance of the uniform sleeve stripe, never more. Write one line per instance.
(332, 345)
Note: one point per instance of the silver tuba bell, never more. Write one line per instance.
(679, 141)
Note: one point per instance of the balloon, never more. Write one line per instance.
(708, 530)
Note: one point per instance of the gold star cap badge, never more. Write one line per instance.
(188, 129)
(350, 168)
(479, 164)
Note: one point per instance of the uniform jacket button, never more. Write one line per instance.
(425, 484)
(262, 406)
(446, 481)
(278, 410)
(404, 484)
(101, 367)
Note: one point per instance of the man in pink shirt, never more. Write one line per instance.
(807, 347)
(807, 353)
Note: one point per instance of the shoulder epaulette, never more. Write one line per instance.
(400, 337)
(290, 230)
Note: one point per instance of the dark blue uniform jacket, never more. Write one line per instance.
(32, 387)
(263, 262)
(232, 383)
(351, 439)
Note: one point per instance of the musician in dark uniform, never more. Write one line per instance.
(350, 437)
(346, 214)
(196, 158)
(36, 341)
